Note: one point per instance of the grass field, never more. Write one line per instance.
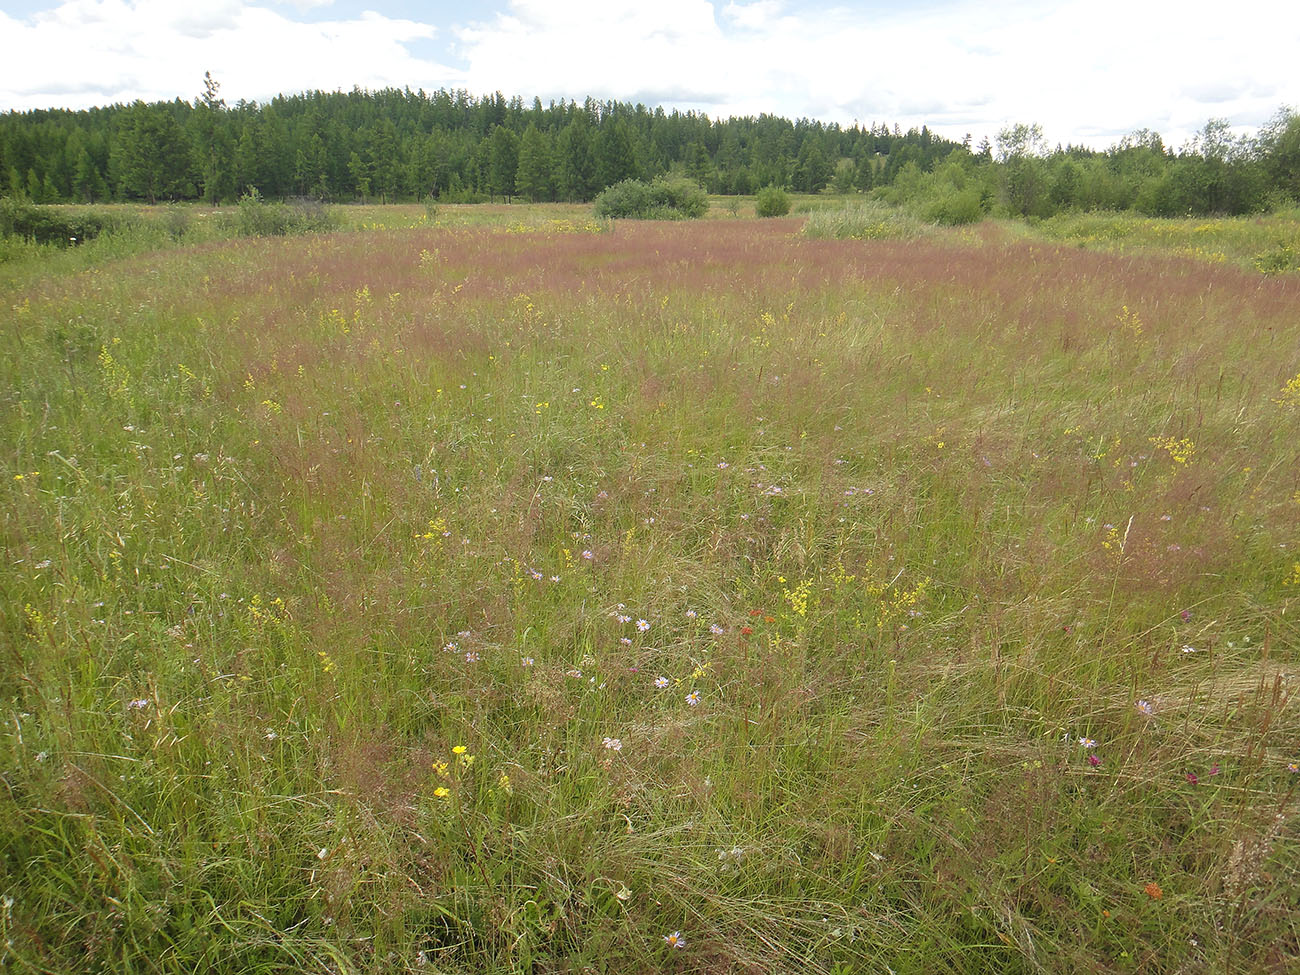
(540, 595)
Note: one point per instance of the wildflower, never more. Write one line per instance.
(588, 555)
(716, 630)
(1214, 769)
(1191, 777)
(1153, 891)
(442, 792)
(136, 705)
(1293, 767)
(691, 614)
(537, 576)
(1187, 649)
(723, 465)
(1094, 761)
(661, 682)
(1186, 615)
(440, 769)
(746, 630)
(459, 750)
(623, 619)
(1145, 707)
(693, 698)
(471, 657)
(555, 578)
(526, 661)
(1087, 743)
(642, 625)
(675, 940)
(613, 744)
(625, 640)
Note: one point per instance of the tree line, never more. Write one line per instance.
(393, 145)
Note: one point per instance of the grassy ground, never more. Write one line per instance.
(1267, 243)
(519, 597)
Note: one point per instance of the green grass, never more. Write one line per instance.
(1268, 243)
(288, 521)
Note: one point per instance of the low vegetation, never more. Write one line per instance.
(772, 201)
(867, 220)
(661, 199)
(498, 594)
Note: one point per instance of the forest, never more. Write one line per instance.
(401, 145)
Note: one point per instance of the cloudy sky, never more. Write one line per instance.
(1088, 70)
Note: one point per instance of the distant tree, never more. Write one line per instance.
(574, 172)
(504, 162)
(842, 181)
(151, 154)
(211, 141)
(533, 177)
(386, 166)
(1280, 152)
(1020, 140)
(813, 170)
(615, 155)
(359, 169)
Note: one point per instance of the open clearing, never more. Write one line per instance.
(511, 598)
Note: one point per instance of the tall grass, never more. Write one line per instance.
(467, 599)
(868, 220)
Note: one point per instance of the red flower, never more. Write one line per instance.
(746, 630)
(1094, 761)
(1191, 777)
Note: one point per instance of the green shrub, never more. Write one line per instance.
(257, 218)
(952, 207)
(772, 201)
(58, 225)
(663, 199)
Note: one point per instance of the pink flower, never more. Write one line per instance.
(1094, 761)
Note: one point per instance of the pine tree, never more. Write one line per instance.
(504, 162)
(533, 178)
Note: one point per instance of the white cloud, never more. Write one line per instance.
(1087, 70)
(93, 52)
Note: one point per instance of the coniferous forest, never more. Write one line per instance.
(391, 145)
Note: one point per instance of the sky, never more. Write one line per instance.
(1088, 71)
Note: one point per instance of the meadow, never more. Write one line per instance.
(546, 595)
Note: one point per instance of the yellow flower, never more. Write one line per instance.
(459, 750)
(442, 792)
(441, 769)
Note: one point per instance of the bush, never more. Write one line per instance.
(257, 218)
(663, 199)
(952, 207)
(57, 225)
(772, 201)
